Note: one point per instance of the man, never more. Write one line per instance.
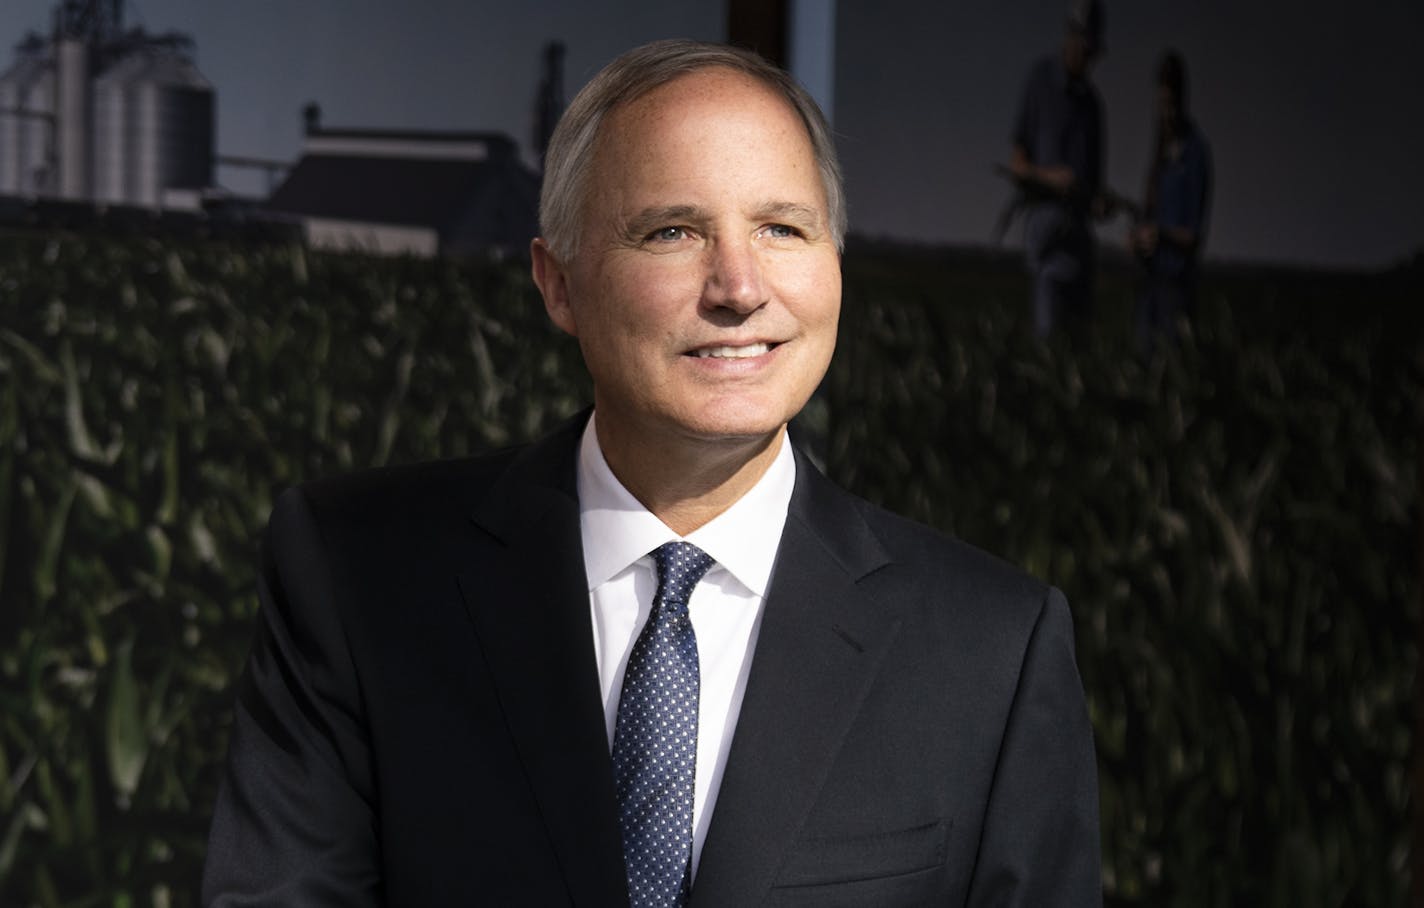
(1057, 160)
(657, 658)
(1175, 208)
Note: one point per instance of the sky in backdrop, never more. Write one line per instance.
(1313, 109)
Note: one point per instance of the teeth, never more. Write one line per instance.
(734, 352)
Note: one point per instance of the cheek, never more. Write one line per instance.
(816, 292)
(832, 297)
(644, 295)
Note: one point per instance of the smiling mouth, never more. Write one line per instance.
(747, 352)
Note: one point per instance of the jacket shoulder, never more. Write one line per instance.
(914, 543)
(392, 505)
(931, 576)
(409, 483)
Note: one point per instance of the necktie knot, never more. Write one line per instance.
(681, 565)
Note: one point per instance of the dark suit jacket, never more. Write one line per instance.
(420, 723)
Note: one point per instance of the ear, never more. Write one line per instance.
(553, 283)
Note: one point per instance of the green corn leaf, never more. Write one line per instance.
(81, 442)
(9, 428)
(52, 542)
(125, 738)
(44, 370)
(14, 827)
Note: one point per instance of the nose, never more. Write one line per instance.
(734, 277)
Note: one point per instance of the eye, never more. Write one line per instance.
(781, 231)
(667, 234)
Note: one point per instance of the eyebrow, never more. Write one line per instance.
(649, 219)
(789, 211)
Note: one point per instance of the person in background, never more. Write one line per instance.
(1176, 204)
(1057, 162)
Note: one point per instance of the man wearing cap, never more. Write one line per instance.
(657, 658)
(1057, 159)
(1176, 208)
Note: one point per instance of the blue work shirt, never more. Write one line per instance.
(1183, 199)
(1060, 122)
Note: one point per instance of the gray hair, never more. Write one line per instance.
(629, 77)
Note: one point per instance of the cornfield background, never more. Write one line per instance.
(1235, 522)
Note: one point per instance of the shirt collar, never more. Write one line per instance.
(617, 530)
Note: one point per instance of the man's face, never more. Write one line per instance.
(706, 287)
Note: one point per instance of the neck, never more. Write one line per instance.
(688, 482)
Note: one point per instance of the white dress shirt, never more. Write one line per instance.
(619, 535)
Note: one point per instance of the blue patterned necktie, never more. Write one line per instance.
(655, 741)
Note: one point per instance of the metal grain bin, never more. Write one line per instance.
(26, 100)
(153, 128)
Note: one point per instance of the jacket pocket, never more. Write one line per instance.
(849, 858)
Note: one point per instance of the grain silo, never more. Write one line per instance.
(153, 126)
(103, 113)
(73, 115)
(113, 132)
(26, 121)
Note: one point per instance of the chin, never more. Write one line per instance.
(739, 423)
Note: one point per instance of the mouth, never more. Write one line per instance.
(747, 351)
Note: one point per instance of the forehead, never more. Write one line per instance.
(671, 127)
(735, 89)
(714, 77)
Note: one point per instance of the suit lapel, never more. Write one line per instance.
(528, 599)
(821, 645)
